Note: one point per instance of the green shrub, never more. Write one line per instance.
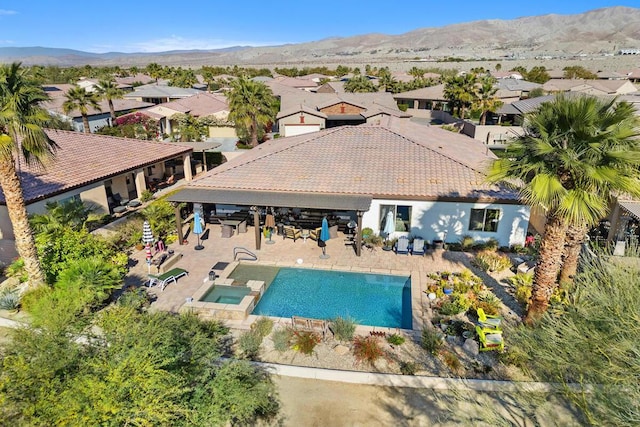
(136, 298)
(146, 196)
(263, 326)
(491, 244)
(9, 300)
(523, 284)
(456, 304)
(367, 349)
(16, 269)
(249, 344)
(395, 339)
(466, 242)
(491, 261)
(305, 341)
(490, 303)
(408, 367)
(282, 339)
(452, 361)
(432, 340)
(343, 328)
(374, 240)
(367, 232)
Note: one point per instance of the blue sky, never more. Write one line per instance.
(139, 26)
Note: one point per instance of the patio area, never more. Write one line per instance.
(288, 253)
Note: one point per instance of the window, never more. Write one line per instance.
(401, 216)
(484, 220)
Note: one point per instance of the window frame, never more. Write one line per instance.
(490, 220)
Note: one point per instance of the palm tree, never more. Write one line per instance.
(108, 89)
(573, 154)
(359, 84)
(22, 138)
(252, 106)
(461, 92)
(78, 98)
(487, 101)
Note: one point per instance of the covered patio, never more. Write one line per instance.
(343, 207)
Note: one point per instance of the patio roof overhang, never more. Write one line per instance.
(343, 202)
(632, 207)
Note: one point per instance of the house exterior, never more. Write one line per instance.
(303, 112)
(431, 179)
(93, 168)
(97, 118)
(157, 94)
(420, 102)
(202, 104)
(590, 87)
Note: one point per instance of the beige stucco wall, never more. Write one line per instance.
(222, 132)
(309, 123)
(6, 232)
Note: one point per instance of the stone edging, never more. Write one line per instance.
(392, 380)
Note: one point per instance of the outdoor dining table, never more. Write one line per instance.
(232, 222)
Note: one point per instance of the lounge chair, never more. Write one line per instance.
(163, 279)
(291, 233)
(490, 340)
(488, 322)
(418, 246)
(402, 246)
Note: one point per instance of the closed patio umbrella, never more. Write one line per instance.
(197, 229)
(389, 225)
(147, 239)
(270, 223)
(324, 236)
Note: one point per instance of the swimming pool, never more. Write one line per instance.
(370, 299)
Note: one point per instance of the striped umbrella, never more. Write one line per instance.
(147, 239)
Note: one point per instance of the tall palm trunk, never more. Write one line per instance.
(85, 123)
(546, 273)
(254, 132)
(25, 243)
(112, 111)
(573, 244)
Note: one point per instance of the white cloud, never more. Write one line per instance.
(7, 12)
(181, 43)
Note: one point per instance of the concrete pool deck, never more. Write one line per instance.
(286, 253)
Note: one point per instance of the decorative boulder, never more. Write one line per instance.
(471, 346)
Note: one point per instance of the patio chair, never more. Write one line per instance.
(490, 340)
(300, 323)
(320, 326)
(170, 276)
(226, 231)
(315, 234)
(488, 322)
(291, 233)
(242, 227)
(418, 246)
(402, 246)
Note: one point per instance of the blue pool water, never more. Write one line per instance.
(370, 299)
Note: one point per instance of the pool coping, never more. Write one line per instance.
(193, 304)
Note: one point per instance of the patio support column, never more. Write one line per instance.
(186, 166)
(359, 234)
(141, 183)
(179, 224)
(256, 226)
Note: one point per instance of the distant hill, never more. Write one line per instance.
(601, 31)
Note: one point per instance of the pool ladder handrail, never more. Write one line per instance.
(238, 250)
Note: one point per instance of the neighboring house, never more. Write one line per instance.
(433, 181)
(97, 118)
(158, 94)
(316, 77)
(420, 102)
(135, 80)
(510, 90)
(93, 168)
(202, 104)
(509, 75)
(304, 112)
(297, 83)
(590, 87)
(331, 87)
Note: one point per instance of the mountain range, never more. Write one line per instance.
(597, 32)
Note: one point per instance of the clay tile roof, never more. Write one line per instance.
(82, 159)
(402, 160)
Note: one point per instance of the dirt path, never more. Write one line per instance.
(313, 403)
